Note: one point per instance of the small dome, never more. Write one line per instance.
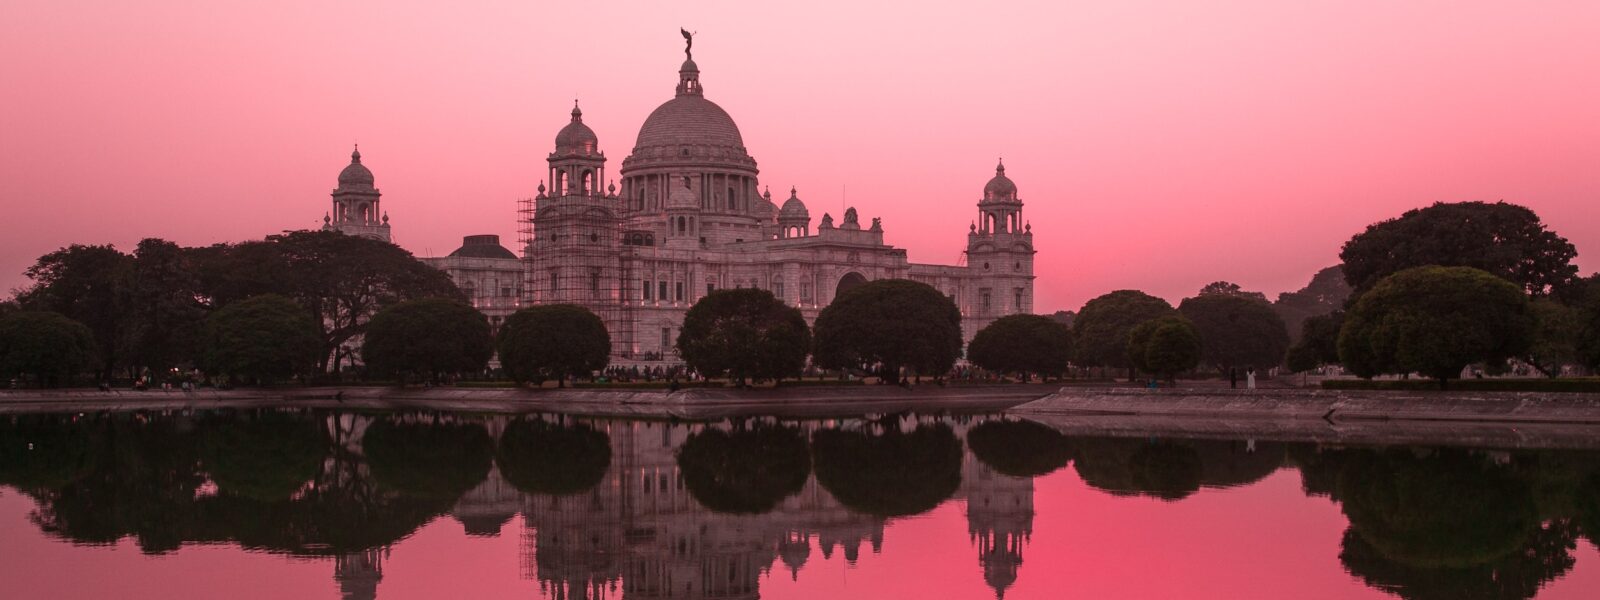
(793, 208)
(1001, 187)
(764, 208)
(683, 196)
(482, 246)
(355, 174)
(689, 67)
(577, 137)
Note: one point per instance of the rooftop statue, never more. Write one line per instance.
(688, 43)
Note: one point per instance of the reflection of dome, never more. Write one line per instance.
(482, 246)
(576, 137)
(1001, 187)
(483, 525)
(793, 208)
(794, 550)
(356, 174)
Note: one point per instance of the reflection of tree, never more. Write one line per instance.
(892, 473)
(1135, 467)
(1234, 463)
(42, 451)
(264, 456)
(1019, 448)
(431, 459)
(1450, 509)
(1518, 574)
(745, 470)
(540, 457)
(1588, 500)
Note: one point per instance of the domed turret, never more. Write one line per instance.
(355, 175)
(576, 138)
(793, 217)
(1000, 188)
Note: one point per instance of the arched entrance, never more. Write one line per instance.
(850, 281)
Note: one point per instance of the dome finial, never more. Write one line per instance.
(355, 155)
(577, 115)
(1001, 168)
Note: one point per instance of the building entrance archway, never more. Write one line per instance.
(850, 281)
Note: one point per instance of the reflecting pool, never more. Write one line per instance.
(321, 504)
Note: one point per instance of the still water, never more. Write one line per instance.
(316, 504)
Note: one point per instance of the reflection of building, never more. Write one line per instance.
(358, 573)
(999, 520)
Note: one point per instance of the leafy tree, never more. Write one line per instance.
(164, 318)
(1555, 336)
(1319, 342)
(1228, 288)
(1587, 348)
(264, 339)
(428, 459)
(1023, 343)
(427, 338)
(1064, 317)
(48, 346)
(889, 474)
(889, 322)
(540, 457)
(1165, 347)
(1435, 321)
(1237, 331)
(1506, 240)
(553, 341)
(87, 284)
(1019, 448)
(745, 471)
(1326, 293)
(1100, 333)
(744, 334)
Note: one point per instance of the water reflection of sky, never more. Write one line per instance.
(440, 506)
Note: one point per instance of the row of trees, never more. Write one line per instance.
(1452, 285)
(161, 307)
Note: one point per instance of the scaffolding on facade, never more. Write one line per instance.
(571, 254)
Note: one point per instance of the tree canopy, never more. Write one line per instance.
(47, 346)
(889, 322)
(745, 471)
(86, 284)
(1228, 288)
(263, 455)
(1506, 240)
(427, 338)
(744, 334)
(261, 340)
(1236, 331)
(553, 341)
(1165, 347)
(1023, 344)
(163, 317)
(1326, 293)
(1100, 333)
(1319, 342)
(1435, 321)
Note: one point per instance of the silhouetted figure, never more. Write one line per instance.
(1233, 378)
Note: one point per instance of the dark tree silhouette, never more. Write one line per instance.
(1165, 347)
(428, 459)
(744, 334)
(1101, 331)
(261, 340)
(427, 339)
(1023, 344)
(47, 346)
(893, 323)
(554, 341)
(1506, 240)
(262, 455)
(1236, 331)
(1435, 321)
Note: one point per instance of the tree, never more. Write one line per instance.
(744, 334)
(427, 338)
(262, 340)
(86, 284)
(540, 457)
(1435, 321)
(1555, 336)
(1587, 347)
(46, 345)
(1228, 288)
(1237, 331)
(893, 323)
(1506, 240)
(745, 471)
(1100, 333)
(1165, 347)
(553, 341)
(1326, 293)
(1319, 342)
(164, 318)
(1023, 343)
(1064, 317)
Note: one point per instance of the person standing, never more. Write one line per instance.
(1250, 378)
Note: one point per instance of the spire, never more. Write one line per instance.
(355, 155)
(1000, 169)
(577, 115)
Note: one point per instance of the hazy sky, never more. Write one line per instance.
(1157, 145)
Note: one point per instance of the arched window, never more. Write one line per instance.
(561, 183)
(588, 182)
(681, 228)
(732, 201)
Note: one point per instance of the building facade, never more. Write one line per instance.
(690, 217)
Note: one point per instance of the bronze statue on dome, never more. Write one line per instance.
(688, 43)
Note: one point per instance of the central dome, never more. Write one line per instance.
(689, 121)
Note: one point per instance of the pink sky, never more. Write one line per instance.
(1157, 145)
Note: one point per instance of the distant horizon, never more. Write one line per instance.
(1156, 146)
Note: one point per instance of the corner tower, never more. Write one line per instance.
(1000, 254)
(355, 203)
